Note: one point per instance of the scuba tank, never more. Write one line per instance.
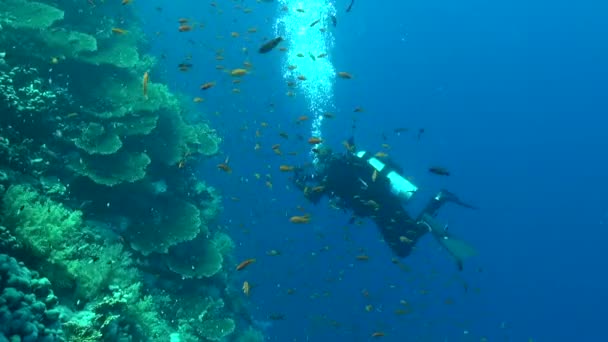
(400, 186)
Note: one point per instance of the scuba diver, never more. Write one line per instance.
(374, 188)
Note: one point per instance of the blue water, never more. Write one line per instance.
(512, 97)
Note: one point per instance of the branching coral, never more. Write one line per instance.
(101, 270)
(23, 90)
(41, 224)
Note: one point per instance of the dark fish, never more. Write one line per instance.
(268, 46)
(400, 130)
(438, 170)
(184, 66)
(315, 22)
(420, 131)
(334, 21)
(350, 7)
(276, 316)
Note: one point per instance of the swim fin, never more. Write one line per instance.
(458, 249)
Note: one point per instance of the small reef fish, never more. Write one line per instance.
(334, 20)
(184, 66)
(246, 288)
(420, 132)
(224, 167)
(286, 168)
(315, 22)
(125, 2)
(244, 264)
(378, 334)
(238, 72)
(268, 46)
(300, 219)
(145, 84)
(207, 85)
(314, 140)
(350, 6)
(345, 75)
(184, 28)
(438, 170)
(117, 30)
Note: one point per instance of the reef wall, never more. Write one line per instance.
(107, 233)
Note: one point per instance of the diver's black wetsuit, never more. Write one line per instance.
(351, 180)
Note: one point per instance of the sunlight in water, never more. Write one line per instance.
(306, 46)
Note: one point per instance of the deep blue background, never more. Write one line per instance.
(513, 99)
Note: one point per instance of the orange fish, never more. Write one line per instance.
(314, 140)
(207, 85)
(184, 28)
(246, 288)
(244, 264)
(224, 166)
(302, 118)
(286, 168)
(300, 219)
(318, 188)
(145, 84)
(117, 30)
(238, 72)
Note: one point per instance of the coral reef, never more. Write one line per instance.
(99, 193)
